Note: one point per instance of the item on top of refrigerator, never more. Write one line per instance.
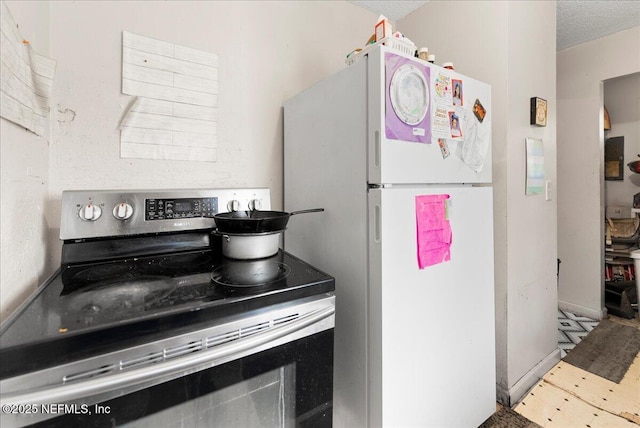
(448, 65)
(431, 58)
(423, 53)
(353, 52)
(382, 28)
(397, 42)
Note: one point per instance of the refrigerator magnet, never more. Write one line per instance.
(454, 122)
(479, 110)
(444, 148)
(457, 92)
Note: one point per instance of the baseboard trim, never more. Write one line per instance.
(514, 394)
(598, 315)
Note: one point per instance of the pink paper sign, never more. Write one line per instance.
(433, 230)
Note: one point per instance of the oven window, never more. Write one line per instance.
(286, 386)
(266, 400)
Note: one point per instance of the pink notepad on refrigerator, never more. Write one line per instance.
(433, 230)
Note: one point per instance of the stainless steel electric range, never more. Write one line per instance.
(146, 323)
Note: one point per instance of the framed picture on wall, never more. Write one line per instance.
(613, 158)
(538, 111)
(535, 166)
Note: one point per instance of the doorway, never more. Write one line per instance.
(621, 183)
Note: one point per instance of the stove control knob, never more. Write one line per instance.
(122, 211)
(255, 204)
(233, 205)
(90, 212)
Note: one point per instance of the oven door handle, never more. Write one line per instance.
(163, 371)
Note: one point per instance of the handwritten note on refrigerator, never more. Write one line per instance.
(175, 114)
(434, 234)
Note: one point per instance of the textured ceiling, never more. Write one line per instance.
(583, 21)
(394, 10)
(578, 21)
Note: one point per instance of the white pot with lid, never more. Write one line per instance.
(249, 246)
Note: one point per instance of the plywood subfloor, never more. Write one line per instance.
(568, 397)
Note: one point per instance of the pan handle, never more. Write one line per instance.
(314, 210)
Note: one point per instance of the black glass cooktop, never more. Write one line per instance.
(91, 308)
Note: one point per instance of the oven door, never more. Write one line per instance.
(276, 370)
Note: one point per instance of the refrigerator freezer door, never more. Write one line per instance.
(432, 335)
(451, 144)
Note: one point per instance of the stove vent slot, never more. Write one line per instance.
(177, 351)
(284, 320)
(256, 328)
(88, 374)
(222, 338)
(145, 360)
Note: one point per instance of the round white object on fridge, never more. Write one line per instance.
(407, 99)
(409, 94)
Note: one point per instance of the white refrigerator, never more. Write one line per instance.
(407, 232)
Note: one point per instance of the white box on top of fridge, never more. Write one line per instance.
(408, 239)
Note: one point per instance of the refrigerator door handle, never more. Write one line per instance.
(376, 154)
(377, 224)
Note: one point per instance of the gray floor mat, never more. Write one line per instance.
(607, 351)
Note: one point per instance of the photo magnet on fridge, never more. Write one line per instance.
(479, 110)
(444, 148)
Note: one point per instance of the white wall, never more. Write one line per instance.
(622, 99)
(268, 51)
(581, 71)
(502, 43)
(532, 299)
(24, 165)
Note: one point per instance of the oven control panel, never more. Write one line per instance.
(110, 213)
(161, 209)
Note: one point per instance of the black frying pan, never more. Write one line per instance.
(255, 221)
